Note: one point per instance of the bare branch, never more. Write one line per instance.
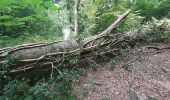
(116, 23)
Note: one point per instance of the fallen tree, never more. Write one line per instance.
(28, 57)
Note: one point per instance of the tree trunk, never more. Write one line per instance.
(35, 56)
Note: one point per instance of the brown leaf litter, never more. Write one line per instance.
(149, 79)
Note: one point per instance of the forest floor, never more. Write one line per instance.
(147, 79)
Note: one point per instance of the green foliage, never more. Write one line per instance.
(57, 88)
(7, 64)
(9, 89)
(94, 17)
(18, 16)
(112, 64)
(132, 23)
(38, 21)
(152, 8)
(156, 30)
(84, 92)
(98, 15)
(20, 90)
(163, 9)
(3, 53)
(35, 87)
(93, 66)
(147, 7)
(24, 39)
(104, 98)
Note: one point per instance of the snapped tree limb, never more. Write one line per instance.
(116, 23)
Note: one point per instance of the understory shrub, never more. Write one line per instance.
(56, 88)
(156, 30)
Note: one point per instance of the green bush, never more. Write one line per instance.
(156, 30)
(56, 88)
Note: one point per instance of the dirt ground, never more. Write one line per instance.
(148, 79)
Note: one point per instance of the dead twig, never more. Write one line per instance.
(53, 67)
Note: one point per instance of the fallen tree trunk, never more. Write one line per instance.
(35, 56)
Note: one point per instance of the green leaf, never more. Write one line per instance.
(48, 4)
(27, 1)
(27, 18)
(11, 23)
(29, 97)
(54, 8)
(4, 2)
(4, 5)
(3, 53)
(37, 2)
(40, 8)
(5, 17)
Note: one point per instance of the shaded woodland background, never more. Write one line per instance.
(39, 21)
